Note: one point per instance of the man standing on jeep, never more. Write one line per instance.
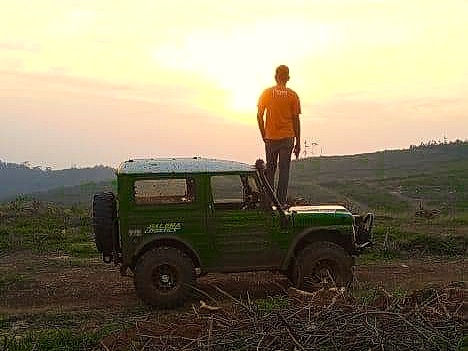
(281, 131)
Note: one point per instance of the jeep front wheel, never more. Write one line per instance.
(164, 277)
(321, 264)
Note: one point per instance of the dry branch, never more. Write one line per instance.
(424, 320)
(204, 306)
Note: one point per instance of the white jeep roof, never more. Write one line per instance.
(181, 165)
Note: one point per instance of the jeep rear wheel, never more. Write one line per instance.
(322, 264)
(164, 277)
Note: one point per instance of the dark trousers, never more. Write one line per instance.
(281, 148)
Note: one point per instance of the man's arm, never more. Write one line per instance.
(297, 134)
(297, 125)
(261, 124)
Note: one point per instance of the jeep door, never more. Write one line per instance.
(243, 231)
(165, 207)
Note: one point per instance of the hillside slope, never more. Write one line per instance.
(394, 180)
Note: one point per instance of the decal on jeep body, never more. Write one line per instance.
(163, 228)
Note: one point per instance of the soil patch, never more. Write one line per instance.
(55, 284)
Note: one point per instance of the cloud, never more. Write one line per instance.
(20, 46)
(11, 64)
(361, 106)
(87, 128)
(56, 82)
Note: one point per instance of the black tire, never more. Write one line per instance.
(105, 223)
(164, 277)
(322, 264)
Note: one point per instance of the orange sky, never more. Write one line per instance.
(96, 82)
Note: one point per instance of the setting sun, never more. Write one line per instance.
(234, 66)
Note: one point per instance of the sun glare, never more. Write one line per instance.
(234, 66)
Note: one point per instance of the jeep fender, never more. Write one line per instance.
(317, 234)
(166, 240)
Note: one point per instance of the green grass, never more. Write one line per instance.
(57, 330)
(82, 249)
(52, 340)
(3, 322)
(453, 221)
(271, 303)
(404, 237)
(10, 279)
(45, 228)
(367, 295)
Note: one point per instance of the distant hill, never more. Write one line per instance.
(395, 180)
(75, 195)
(435, 175)
(17, 179)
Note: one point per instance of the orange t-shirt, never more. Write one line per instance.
(282, 105)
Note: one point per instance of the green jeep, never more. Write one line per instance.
(178, 218)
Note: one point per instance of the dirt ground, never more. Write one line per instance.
(58, 284)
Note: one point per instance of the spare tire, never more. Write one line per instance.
(106, 230)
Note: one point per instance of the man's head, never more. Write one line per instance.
(282, 74)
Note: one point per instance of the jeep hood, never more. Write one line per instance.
(322, 215)
(319, 209)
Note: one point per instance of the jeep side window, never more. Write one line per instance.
(164, 191)
(234, 191)
(227, 189)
